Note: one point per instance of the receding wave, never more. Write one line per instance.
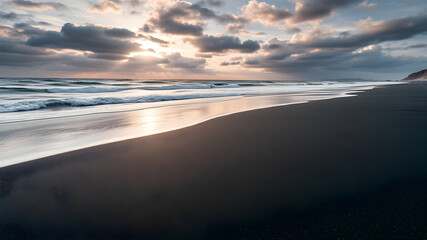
(59, 84)
(196, 86)
(22, 89)
(85, 90)
(153, 88)
(49, 79)
(153, 82)
(86, 82)
(124, 87)
(27, 81)
(82, 102)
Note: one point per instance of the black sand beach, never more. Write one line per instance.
(347, 168)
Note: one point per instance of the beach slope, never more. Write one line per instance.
(347, 168)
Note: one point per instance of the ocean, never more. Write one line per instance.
(40, 117)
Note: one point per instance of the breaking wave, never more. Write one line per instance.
(78, 102)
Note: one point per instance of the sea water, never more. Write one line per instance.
(40, 117)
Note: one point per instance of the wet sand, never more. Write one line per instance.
(347, 168)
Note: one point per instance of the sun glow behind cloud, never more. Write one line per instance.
(149, 49)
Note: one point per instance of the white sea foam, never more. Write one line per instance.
(77, 102)
(78, 97)
(167, 87)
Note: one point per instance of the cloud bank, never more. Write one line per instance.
(304, 38)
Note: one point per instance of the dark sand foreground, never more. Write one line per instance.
(349, 168)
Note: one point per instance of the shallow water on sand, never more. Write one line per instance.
(36, 135)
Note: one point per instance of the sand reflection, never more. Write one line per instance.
(58, 135)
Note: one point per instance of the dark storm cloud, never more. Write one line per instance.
(307, 10)
(154, 39)
(16, 53)
(72, 63)
(169, 20)
(133, 3)
(99, 48)
(276, 50)
(146, 28)
(350, 51)
(158, 40)
(100, 62)
(372, 60)
(107, 56)
(419, 45)
(38, 5)
(17, 47)
(203, 11)
(371, 33)
(119, 33)
(12, 16)
(28, 30)
(41, 23)
(173, 27)
(215, 3)
(227, 18)
(236, 28)
(18, 60)
(177, 61)
(293, 30)
(265, 13)
(375, 32)
(229, 63)
(86, 38)
(184, 18)
(224, 43)
(8, 16)
(97, 62)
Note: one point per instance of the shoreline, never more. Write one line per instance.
(55, 126)
(178, 102)
(240, 176)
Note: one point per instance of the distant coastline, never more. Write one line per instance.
(421, 75)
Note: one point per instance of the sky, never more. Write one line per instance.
(213, 39)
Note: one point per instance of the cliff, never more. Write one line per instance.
(421, 75)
